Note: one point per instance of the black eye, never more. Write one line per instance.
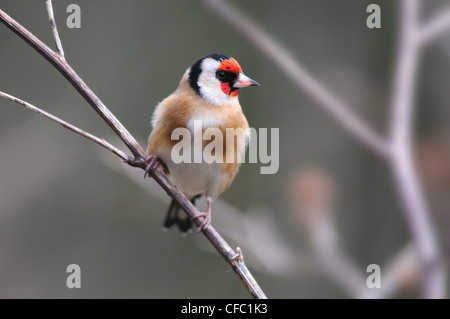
(226, 77)
(220, 75)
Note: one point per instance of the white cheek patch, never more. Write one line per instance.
(210, 86)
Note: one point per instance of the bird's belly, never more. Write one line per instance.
(195, 178)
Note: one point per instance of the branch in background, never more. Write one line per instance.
(401, 272)
(410, 193)
(434, 28)
(397, 151)
(312, 201)
(58, 61)
(298, 74)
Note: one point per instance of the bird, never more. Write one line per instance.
(208, 91)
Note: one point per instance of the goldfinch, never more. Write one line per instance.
(208, 92)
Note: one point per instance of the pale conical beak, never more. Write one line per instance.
(243, 81)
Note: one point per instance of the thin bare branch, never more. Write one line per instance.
(66, 70)
(99, 141)
(54, 28)
(211, 234)
(304, 80)
(402, 165)
(438, 26)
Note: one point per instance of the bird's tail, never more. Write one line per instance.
(175, 217)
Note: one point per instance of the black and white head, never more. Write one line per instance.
(218, 78)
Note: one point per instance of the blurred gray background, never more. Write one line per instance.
(61, 203)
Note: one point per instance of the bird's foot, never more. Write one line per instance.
(152, 162)
(206, 221)
(206, 216)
